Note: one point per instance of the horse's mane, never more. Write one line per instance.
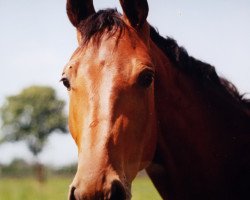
(203, 72)
(109, 22)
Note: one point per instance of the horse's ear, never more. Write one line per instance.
(79, 10)
(136, 11)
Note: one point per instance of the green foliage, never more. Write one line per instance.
(69, 170)
(32, 116)
(17, 168)
(22, 169)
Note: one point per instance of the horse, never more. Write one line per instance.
(139, 101)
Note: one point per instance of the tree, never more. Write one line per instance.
(32, 116)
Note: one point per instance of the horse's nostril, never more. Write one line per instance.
(117, 191)
(72, 195)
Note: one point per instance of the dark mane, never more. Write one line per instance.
(203, 72)
(109, 22)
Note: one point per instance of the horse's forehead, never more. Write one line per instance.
(111, 52)
(119, 58)
(111, 48)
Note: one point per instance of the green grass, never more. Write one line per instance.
(30, 189)
(56, 188)
(143, 189)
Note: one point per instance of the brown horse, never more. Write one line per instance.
(138, 100)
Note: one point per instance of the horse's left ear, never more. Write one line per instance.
(136, 11)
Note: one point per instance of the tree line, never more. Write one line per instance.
(20, 168)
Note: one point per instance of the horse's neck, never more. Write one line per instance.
(198, 134)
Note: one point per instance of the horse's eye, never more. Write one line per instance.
(66, 83)
(146, 78)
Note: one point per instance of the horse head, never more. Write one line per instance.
(110, 79)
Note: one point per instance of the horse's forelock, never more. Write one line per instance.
(104, 21)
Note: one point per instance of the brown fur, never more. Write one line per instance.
(200, 121)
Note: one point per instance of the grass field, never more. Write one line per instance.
(57, 188)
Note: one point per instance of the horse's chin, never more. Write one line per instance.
(128, 192)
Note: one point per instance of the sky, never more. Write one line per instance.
(37, 40)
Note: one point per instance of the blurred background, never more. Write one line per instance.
(37, 40)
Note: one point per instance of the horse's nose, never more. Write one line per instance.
(72, 194)
(117, 192)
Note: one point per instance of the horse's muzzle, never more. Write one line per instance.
(116, 192)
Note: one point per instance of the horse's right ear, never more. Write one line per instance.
(79, 10)
(136, 11)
